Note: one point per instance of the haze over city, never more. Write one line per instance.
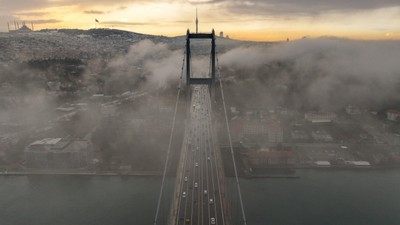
(199, 112)
(261, 20)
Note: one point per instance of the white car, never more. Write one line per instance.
(205, 192)
(211, 201)
(185, 179)
(195, 184)
(197, 164)
(184, 195)
(212, 220)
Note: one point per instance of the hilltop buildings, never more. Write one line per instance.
(23, 29)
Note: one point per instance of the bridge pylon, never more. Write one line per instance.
(210, 80)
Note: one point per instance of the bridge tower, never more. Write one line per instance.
(210, 80)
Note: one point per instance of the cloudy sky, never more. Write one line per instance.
(249, 19)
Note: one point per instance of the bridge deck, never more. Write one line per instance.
(200, 179)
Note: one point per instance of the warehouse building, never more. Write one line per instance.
(58, 153)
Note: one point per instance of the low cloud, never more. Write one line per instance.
(32, 13)
(122, 7)
(96, 12)
(147, 65)
(46, 21)
(202, 1)
(121, 23)
(325, 73)
(296, 7)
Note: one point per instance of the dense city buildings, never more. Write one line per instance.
(283, 138)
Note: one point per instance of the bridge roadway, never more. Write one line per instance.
(199, 196)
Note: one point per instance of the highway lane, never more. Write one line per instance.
(200, 200)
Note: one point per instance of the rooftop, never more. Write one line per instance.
(47, 141)
(57, 145)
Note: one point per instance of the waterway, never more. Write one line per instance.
(318, 197)
(325, 197)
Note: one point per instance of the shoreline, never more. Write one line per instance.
(159, 173)
(291, 173)
(82, 173)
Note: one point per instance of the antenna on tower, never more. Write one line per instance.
(8, 25)
(32, 25)
(197, 23)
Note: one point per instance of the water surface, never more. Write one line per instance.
(324, 197)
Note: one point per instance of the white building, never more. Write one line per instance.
(322, 163)
(353, 110)
(393, 115)
(358, 163)
(320, 117)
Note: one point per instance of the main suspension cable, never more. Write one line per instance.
(170, 142)
(231, 146)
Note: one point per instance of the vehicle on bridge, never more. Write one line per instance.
(212, 220)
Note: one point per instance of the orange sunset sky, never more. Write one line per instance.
(260, 20)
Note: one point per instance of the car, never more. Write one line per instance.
(197, 164)
(188, 221)
(208, 158)
(205, 192)
(196, 185)
(212, 220)
(211, 201)
(185, 179)
(184, 194)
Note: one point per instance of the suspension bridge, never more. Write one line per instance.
(201, 194)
